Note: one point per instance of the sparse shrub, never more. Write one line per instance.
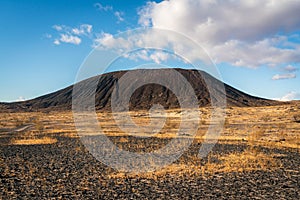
(226, 122)
(2, 124)
(32, 119)
(247, 161)
(39, 126)
(255, 134)
(296, 118)
(266, 118)
(19, 122)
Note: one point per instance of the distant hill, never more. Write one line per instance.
(144, 97)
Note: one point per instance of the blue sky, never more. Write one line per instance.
(43, 43)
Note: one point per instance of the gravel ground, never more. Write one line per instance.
(66, 171)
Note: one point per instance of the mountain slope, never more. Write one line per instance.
(144, 97)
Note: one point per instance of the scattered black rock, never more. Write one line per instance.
(65, 170)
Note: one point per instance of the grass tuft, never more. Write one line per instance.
(34, 141)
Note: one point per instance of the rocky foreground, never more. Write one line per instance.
(65, 170)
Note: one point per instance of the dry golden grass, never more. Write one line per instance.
(178, 169)
(245, 161)
(123, 140)
(34, 141)
(235, 162)
(273, 127)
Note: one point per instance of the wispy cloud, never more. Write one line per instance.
(101, 7)
(290, 68)
(125, 44)
(58, 27)
(283, 76)
(119, 15)
(21, 98)
(71, 35)
(84, 29)
(290, 96)
(107, 8)
(56, 42)
(47, 35)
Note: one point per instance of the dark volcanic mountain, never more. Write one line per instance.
(144, 97)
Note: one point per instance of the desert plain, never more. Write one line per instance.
(256, 156)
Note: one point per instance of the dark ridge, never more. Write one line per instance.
(144, 97)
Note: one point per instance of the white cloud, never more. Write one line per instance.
(155, 56)
(84, 29)
(119, 15)
(159, 56)
(168, 42)
(263, 52)
(72, 35)
(290, 68)
(290, 96)
(21, 98)
(283, 76)
(145, 14)
(56, 42)
(243, 33)
(58, 27)
(70, 39)
(107, 40)
(48, 36)
(223, 20)
(101, 7)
